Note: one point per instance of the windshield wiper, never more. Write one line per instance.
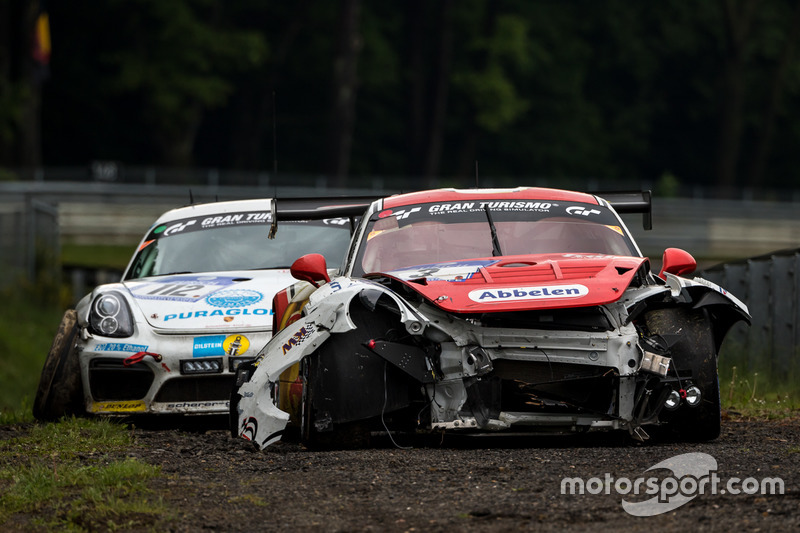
(495, 241)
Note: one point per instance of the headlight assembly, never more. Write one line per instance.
(110, 316)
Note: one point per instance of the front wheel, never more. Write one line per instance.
(693, 351)
(317, 428)
(60, 392)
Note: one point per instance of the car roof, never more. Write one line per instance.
(214, 208)
(519, 193)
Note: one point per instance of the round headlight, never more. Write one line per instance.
(111, 316)
(108, 305)
(109, 325)
(673, 400)
(693, 396)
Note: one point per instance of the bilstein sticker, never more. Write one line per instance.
(528, 293)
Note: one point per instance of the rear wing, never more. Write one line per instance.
(631, 202)
(287, 209)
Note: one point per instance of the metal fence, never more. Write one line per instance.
(29, 241)
(770, 286)
(117, 173)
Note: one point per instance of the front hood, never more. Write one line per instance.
(230, 300)
(523, 282)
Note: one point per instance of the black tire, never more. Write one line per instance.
(692, 349)
(60, 391)
(348, 435)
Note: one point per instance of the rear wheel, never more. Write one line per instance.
(692, 349)
(60, 392)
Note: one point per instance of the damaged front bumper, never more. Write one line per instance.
(470, 377)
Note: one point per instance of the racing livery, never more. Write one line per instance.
(525, 310)
(194, 302)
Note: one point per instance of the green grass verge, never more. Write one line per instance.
(60, 477)
(758, 394)
(27, 328)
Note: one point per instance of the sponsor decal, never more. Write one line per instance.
(710, 285)
(336, 221)
(528, 293)
(453, 271)
(207, 346)
(197, 405)
(374, 233)
(177, 228)
(145, 244)
(583, 211)
(466, 207)
(235, 298)
(399, 214)
(232, 219)
(213, 221)
(249, 428)
(181, 288)
(298, 338)
(131, 406)
(227, 313)
(120, 347)
(235, 345)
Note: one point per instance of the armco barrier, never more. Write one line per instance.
(770, 286)
(29, 240)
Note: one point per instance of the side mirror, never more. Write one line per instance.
(677, 262)
(311, 268)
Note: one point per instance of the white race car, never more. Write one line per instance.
(194, 302)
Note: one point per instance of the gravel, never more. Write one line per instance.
(212, 481)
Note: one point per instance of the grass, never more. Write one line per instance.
(27, 328)
(758, 394)
(62, 471)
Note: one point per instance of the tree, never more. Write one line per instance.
(344, 88)
(178, 65)
(20, 84)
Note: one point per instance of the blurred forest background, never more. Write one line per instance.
(670, 92)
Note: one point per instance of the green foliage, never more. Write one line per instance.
(758, 395)
(64, 467)
(27, 328)
(667, 186)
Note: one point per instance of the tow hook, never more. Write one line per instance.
(138, 356)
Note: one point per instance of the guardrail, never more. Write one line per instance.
(770, 286)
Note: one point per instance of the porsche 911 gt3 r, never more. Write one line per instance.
(194, 302)
(522, 310)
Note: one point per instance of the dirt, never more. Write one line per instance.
(212, 481)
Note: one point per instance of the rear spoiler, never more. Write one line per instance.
(318, 209)
(631, 202)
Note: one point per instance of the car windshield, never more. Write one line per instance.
(452, 231)
(225, 244)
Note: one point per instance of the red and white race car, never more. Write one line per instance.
(523, 310)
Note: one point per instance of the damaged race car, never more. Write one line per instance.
(193, 304)
(516, 311)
